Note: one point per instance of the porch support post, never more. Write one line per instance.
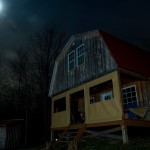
(120, 93)
(52, 135)
(124, 134)
(86, 101)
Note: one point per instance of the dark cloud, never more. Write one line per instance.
(20, 18)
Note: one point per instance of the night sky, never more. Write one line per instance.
(128, 19)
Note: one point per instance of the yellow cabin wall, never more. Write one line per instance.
(110, 110)
(61, 119)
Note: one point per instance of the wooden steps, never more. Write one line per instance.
(72, 135)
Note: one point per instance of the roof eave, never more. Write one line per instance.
(134, 74)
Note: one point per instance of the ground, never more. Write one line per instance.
(105, 144)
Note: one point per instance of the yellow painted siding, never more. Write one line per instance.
(110, 110)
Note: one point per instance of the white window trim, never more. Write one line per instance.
(71, 61)
(80, 55)
(135, 91)
(76, 57)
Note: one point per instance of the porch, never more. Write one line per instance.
(110, 100)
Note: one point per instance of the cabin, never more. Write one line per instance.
(100, 81)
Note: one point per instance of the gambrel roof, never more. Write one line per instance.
(104, 53)
(128, 56)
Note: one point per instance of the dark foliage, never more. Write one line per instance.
(24, 85)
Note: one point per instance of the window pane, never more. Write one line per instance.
(71, 61)
(124, 96)
(125, 101)
(80, 55)
(129, 95)
(134, 99)
(129, 100)
(133, 94)
(71, 66)
(81, 60)
(132, 88)
(128, 90)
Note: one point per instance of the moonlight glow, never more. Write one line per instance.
(1, 6)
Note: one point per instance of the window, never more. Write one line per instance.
(71, 61)
(60, 105)
(76, 57)
(130, 95)
(101, 92)
(80, 55)
(92, 100)
(106, 96)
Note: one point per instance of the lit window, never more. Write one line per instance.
(71, 60)
(130, 95)
(106, 96)
(80, 51)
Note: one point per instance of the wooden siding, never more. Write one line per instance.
(143, 89)
(145, 86)
(144, 95)
(98, 61)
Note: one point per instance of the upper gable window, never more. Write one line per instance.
(76, 57)
(71, 61)
(80, 54)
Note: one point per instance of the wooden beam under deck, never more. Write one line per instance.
(59, 128)
(136, 123)
(126, 122)
(102, 124)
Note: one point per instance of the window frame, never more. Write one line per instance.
(72, 61)
(81, 55)
(127, 103)
(77, 54)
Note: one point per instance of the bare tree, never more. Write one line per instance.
(45, 47)
(20, 67)
(6, 86)
(31, 71)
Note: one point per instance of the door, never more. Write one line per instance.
(77, 107)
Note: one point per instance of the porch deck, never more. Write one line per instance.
(125, 122)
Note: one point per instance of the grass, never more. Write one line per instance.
(105, 144)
